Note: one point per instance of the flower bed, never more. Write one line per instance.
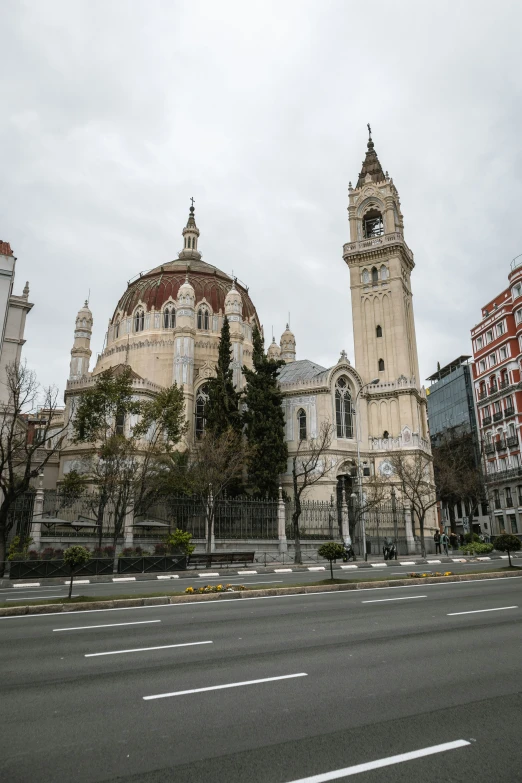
(215, 589)
(415, 575)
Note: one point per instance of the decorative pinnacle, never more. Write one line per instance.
(369, 132)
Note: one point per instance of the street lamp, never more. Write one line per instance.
(359, 476)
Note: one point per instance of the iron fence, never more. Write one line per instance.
(318, 520)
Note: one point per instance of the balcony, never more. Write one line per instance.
(486, 420)
(497, 416)
(510, 411)
(504, 385)
(376, 243)
(482, 395)
(493, 389)
(489, 448)
(512, 441)
(500, 445)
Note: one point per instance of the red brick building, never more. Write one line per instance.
(497, 352)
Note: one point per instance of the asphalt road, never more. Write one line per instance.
(422, 680)
(10, 595)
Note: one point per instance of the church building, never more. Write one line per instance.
(167, 326)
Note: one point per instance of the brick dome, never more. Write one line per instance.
(155, 287)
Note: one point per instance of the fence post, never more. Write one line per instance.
(345, 525)
(281, 524)
(409, 533)
(36, 526)
(128, 526)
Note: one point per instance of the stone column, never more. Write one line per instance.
(345, 525)
(209, 504)
(36, 526)
(281, 524)
(410, 540)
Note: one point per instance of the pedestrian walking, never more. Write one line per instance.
(444, 540)
(454, 541)
(436, 538)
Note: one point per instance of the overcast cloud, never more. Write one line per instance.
(114, 113)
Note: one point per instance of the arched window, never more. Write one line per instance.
(343, 409)
(381, 365)
(301, 420)
(365, 276)
(384, 273)
(385, 434)
(201, 402)
(203, 319)
(373, 225)
(169, 317)
(116, 330)
(139, 320)
(375, 275)
(378, 331)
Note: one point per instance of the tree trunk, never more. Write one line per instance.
(71, 582)
(99, 519)
(331, 570)
(210, 527)
(509, 558)
(3, 540)
(421, 528)
(453, 521)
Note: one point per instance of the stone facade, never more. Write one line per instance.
(13, 312)
(167, 324)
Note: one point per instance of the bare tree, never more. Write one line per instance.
(375, 491)
(21, 460)
(310, 464)
(414, 471)
(458, 476)
(215, 462)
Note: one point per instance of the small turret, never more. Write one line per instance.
(190, 237)
(274, 351)
(288, 345)
(81, 350)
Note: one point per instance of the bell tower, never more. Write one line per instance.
(380, 264)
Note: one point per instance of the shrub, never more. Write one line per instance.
(472, 538)
(75, 557)
(507, 543)
(179, 540)
(130, 551)
(47, 554)
(331, 551)
(18, 548)
(476, 548)
(160, 549)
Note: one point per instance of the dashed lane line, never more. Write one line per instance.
(144, 649)
(222, 687)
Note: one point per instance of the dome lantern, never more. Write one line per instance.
(288, 345)
(190, 237)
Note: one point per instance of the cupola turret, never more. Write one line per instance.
(288, 345)
(190, 237)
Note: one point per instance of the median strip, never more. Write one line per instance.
(222, 687)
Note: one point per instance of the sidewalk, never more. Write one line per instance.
(274, 568)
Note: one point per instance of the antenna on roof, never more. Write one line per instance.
(89, 296)
(289, 319)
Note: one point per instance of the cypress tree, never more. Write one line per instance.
(265, 421)
(222, 409)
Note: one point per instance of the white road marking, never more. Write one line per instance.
(144, 649)
(477, 611)
(107, 625)
(386, 762)
(27, 584)
(284, 570)
(78, 582)
(317, 568)
(255, 598)
(403, 598)
(170, 576)
(124, 579)
(209, 573)
(412, 562)
(483, 558)
(247, 572)
(432, 562)
(221, 687)
(379, 565)
(349, 566)
(458, 560)
(504, 557)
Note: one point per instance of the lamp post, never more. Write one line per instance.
(359, 476)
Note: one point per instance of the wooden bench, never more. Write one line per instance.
(220, 558)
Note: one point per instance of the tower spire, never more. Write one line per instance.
(190, 236)
(371, 164)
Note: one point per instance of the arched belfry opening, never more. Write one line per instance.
(373, 224)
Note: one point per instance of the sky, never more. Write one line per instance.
(115, 113)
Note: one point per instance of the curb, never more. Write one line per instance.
(124, 603)
(275, 569)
